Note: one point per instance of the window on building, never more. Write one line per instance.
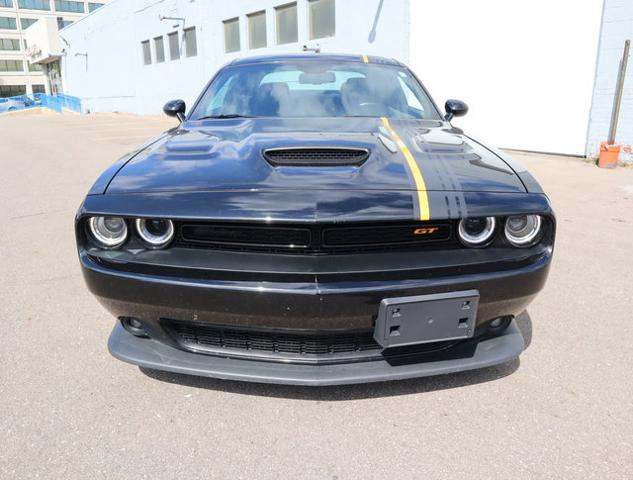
(61, 23)
(34, 4)
(257, 29)
(92, 6)
(232, 35)
(38, 88)
(11, 66)
(174, 46)
(8, 23)
(322, 18)
(286, 22)
(159, 48)
(12, 90)
(9, 44)
(69, 6)
(191, 44)
(6, 3)
(147, 52)
(35, 67)
(27, 22)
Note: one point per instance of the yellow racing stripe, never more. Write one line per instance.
(420, 186)
(365, 59)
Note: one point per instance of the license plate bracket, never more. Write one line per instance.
(430, 318)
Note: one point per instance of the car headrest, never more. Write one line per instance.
(356, 85)
(354, 92)
(270, 96)
(277, 89)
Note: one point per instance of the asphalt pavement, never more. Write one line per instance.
(68, 410)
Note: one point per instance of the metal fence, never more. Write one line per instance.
(57, 103)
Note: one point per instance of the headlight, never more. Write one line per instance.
(476, 232)
(156, 233)
(110, 232)
(523, 230)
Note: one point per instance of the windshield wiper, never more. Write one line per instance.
(225, 115)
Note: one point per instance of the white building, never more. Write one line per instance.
(18, 75)
(135, 61)
(617, 26)
(525, 68)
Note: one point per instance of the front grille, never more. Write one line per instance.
(315, 157)
(246, 235)
(317, 239)
(301, 347)
(384, 235)
(289, 345)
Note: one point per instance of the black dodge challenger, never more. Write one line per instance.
(314, 219)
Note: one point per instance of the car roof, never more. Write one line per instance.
(334, 57)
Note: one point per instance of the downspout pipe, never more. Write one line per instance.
(619, 90)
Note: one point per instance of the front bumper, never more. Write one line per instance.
(468, 355)
(323, 306)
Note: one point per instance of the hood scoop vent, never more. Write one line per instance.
(316, 156)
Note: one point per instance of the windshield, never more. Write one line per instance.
(315, 88)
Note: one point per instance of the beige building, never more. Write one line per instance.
(17, 75)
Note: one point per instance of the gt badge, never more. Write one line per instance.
(425, 230)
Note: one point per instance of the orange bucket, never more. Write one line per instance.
(609, 155)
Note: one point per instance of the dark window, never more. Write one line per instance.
(69, 6)
(159, 48)
(35, 67)
(27, 22)
(11, 66)
(34, 4)
(286, 22)
(6, 3)
(174, 46)
(322, 18)
(257, 29)
(8, 23)
(38, 89)
(93, 6)
(61, 23)
(12, 90)
(9, 44)
(232, 35)
(147, 52)
(191, 44)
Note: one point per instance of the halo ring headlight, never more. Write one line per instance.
(155, 232)
(523, 230)
(109, 232)
(476, 232)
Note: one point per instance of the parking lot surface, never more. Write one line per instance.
(68, 410)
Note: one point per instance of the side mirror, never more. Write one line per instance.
(175, 108)
(455, 108)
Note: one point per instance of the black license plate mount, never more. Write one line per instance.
(429, 318)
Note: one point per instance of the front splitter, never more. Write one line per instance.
(470, 355)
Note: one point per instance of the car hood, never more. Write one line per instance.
(227, 155)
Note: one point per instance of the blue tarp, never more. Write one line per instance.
(53, 102)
